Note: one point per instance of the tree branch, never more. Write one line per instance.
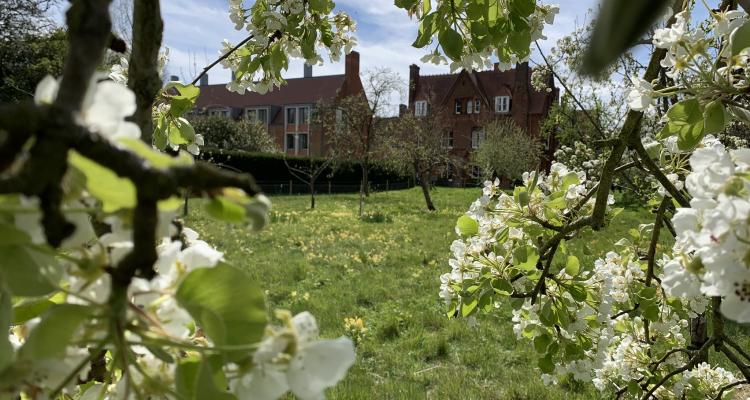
(143, 70)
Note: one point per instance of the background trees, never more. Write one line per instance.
(415, 145)
(507, 151)
(354, 124)
(227, 134)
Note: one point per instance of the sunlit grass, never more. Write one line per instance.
(386, 271)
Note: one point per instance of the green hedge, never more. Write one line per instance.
(270, 167)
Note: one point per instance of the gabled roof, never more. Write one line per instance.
(487, 84)
(295, 91)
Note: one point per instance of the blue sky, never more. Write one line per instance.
(194, 30)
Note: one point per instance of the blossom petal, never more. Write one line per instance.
(320, 366)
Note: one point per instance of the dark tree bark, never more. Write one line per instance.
(424, 182)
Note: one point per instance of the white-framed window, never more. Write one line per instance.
(459, 106)
(448, 140)
(477, 137)
(502, 104)
(218, 112)
(470, 106)
(297, 143)
(477, 106)
(420, 108)
(259, 114)
(297, 126)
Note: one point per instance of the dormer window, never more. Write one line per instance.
(470, 106)
(459, 107)
(477, 106)
(420, 108)
(257, 115)
(502, 104)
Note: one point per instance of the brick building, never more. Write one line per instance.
(472, 99)
(286, 111)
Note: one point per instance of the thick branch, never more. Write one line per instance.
(143, 71)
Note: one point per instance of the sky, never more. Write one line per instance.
(194, 30)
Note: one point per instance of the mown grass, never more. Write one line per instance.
(385, 269)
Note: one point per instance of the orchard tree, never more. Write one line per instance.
(309, 173)
(416, 145)
(103, 293)
(630, 323)
(507, 151)
(354, 125)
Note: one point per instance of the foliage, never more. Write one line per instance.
(27, 59)
(225, 133)
(415, 145)
(470, 33)
(270, 167)
(507, 151)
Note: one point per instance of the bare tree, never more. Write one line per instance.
(354, 124)
(420, 145)
(309, 173)
(21, 18)
(122, 20)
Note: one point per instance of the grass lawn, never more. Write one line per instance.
(386, 271)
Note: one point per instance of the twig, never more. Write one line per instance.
(729, 386)
(692, 363)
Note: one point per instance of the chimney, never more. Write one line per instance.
(351, 66)
(521, 96)
(413, 82)
(308, 71)
(174, 78)
(204, 80)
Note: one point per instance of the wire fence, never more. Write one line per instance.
(293, 187)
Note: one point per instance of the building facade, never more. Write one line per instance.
(286, 111)
(470, 100)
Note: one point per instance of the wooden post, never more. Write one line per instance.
(329, 187)
(291, 183)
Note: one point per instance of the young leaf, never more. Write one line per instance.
(619, 25)
(28, 272)
(541, 343)
(225, 210)
(452, 43)
(467, 226)
(573, 266)
(715, 117)
(740, 39)
(54, 332)
(227, 304)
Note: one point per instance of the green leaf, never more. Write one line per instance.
(573, 266)
(197, 379)
(406, 4)
(546, 365)
(27, 272)
(30, 309)
(452, 43)
(114, 192)
(525, 258)
(321, 6)
(578, 292)
(715, 117)
(227, 304)
(156, 158)
(426, 6)
(687, 121)
(10, 235)
(547, 315)
(6, 315)
(468, 307)
(619, 25)
(225, 210)
(467, 226)
(523, 7)
(54, 332)
(426, 29)
(571, 178)
(740, 38)
(185, 98)
(541, 343)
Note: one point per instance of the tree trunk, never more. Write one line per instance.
(361, 199)
(424, 181)
(312, 195)
(365, 184)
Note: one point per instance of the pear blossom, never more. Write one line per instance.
(640, 97)
(314, 366)
(104, 109)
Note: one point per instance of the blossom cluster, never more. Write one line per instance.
(710, 252)
(65, 310)
(580, 157)
(279, 30)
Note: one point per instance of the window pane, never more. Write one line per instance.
(303, 114)
(302, 138)
(290, 142)
(291, 115)
(263, 116)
